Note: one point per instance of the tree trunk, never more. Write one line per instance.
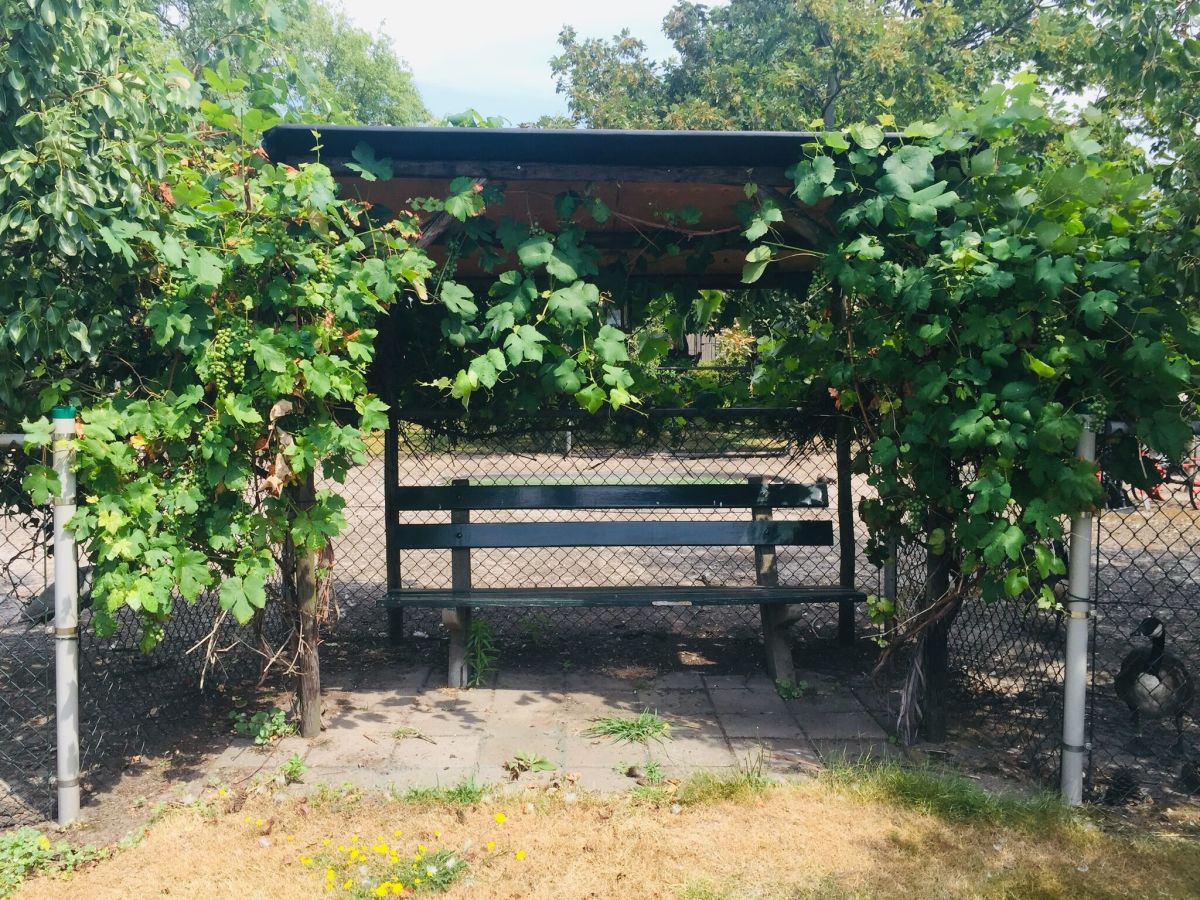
(936, 648)
(308, 661)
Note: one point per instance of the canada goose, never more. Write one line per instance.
(1154, 683)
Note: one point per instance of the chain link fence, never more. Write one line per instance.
(26, 654)
(721, 447)
(1147, 567)
(131, 702)
(1006, 658)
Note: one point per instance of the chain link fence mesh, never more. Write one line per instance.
(657, 448)
(26, 654)
(1147, 565)
(1006, 658)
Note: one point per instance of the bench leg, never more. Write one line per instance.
(779, 651)
(458, 621)
(846, 622)
(395, 627)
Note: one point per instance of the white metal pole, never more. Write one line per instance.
(1079, 611)
(66, 619)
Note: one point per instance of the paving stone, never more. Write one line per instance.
(367, 779)
(673, 681)
(840, 700)
(842, 726)
(597, 684)
(399, 679)
(350, 749)
(602, 780)
(445, 777)
(543, 683)
(580, 752)
(761, 725)
(495, 750)
(760, 684)
(782, 756)
(748, 703)
(693, 751)
(411, 753)
(241, 754)
(725, 682)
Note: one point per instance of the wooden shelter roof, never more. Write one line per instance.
(639, 175)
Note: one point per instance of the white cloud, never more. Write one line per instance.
(495, 56)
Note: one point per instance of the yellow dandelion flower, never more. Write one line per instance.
(416, 881)
(291, 837)
(306, 860)
(258, 822)
(326, 842)
(420, 848)
(397, 888)
(44, 842)
(347, 884)
(354, 838)
(520, 854)
(222, 792)
(501, 818)
(329, 873)
(396, 833)
(394, 857)
(341, 848)
(437, 834)
(248, 819)
(381, 891)
(491, 845)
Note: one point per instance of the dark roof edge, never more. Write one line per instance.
(662, 149)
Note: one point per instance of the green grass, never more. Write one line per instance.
(640, 729)
(947, 795)
(465, 793)
(709, 787)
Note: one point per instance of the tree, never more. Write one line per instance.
(777, 64)
(211, 314)
(343, 72)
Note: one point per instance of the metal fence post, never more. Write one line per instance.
(66, 619)
(1075, 675)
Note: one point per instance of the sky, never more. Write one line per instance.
(494, 56)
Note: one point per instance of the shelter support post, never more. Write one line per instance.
(458, 619)
(66, 620)
(1079, 610)
(774, 616)
(848, 550)
(391, 472)
(308, 686)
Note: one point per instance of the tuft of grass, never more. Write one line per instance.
(640, 729)
(466, 793)
(712, 787)
(403, 732)
(947, 795)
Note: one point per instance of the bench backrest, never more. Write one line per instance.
(756, 495)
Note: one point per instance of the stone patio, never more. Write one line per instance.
(398, 728)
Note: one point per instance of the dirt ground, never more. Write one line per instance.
(729, 839)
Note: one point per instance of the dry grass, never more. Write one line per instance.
(827, 838)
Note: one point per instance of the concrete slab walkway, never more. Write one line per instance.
(397, 728)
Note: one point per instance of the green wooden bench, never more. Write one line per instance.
(779, 604)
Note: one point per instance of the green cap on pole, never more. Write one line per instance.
(63, 412)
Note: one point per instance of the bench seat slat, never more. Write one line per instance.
(613, 496)
(613, 534)
(624, 596)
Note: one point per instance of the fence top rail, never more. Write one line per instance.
(614, 534)
(613, 496)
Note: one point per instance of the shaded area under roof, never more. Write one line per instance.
(643, 178)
